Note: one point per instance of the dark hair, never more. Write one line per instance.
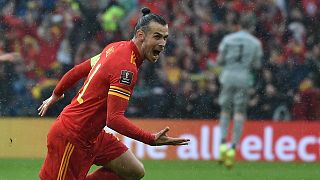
(148, 17)
(247, 21)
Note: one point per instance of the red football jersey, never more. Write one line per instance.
(103, 98)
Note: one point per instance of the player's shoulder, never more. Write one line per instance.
(248, 37)
(122, 49)
(237, 35)
(120, 55)
(231, 37)
(117, 51)
(116, 46)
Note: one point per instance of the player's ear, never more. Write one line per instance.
(140, 35)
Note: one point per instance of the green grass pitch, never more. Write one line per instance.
(25, 169)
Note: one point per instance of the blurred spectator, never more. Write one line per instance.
(186, 100)
(87, 50)
(89, 21)
(7, 78)
(172, 72)
(307, 101)
(313, 63)
(14, 86)
(268, 102)
(111, 17)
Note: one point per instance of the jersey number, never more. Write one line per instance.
(79, 98)
(239, 58)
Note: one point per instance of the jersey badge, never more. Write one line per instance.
(126, 77)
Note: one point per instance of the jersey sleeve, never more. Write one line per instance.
(118, 122)
(72, 76)
(121, 87)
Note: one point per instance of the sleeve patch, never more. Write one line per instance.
(126, 77)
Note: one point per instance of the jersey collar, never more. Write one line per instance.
(136, 53)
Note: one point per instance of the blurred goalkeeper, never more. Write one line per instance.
(76, 139)
(240, 54)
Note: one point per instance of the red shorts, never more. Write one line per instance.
(68, 160)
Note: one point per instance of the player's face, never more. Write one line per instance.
(154, 41)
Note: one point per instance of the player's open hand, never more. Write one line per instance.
(47, 103)
(161, 138)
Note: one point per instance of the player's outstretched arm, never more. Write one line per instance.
(67, 81)
(47, 103)
(161, 138)
(118, 122)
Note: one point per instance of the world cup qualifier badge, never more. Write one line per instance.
(126, 77)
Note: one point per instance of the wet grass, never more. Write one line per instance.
(25, 169)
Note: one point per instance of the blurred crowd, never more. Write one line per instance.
(40, 40)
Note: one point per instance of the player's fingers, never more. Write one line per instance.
(175, 141)
(179, 141)
(41, 106)
(40, 111)
(164, 131)
(43, 110)
(161, 133)
(182, 142)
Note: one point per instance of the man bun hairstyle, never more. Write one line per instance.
(146, 18)
(145, 11)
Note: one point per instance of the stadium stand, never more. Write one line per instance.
(53, 36)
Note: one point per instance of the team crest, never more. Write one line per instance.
(126, 77)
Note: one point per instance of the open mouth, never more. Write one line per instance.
(156, 53)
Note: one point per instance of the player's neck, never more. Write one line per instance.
(138, 45)
(138, 51)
